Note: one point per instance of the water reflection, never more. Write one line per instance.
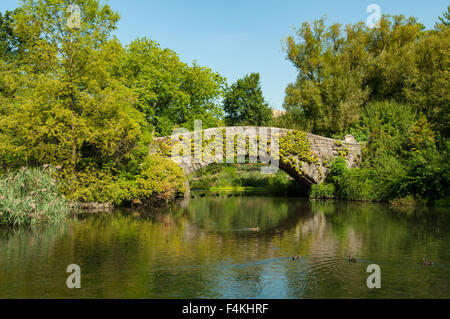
(208, 248)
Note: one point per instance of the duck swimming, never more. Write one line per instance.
(426, 263)
(351, 259)
(255, 229)
(298, 257)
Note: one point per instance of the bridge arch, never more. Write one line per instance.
(304, 157)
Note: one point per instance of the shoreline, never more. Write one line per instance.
(94, 207)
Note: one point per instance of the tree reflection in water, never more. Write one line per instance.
(206, 248)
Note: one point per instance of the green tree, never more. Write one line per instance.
(341, 69)
(64, 101)
(427, 86)
(244, 103)
(329, 88)
(445, 19)
(69, 109)
(170, 92)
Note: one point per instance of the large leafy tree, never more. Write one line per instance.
(244, 103)
(387, 86)
(329, 87)
(170, 92)
(341, 69)
(67, 108)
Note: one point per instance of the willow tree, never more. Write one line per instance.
(329, 87)
(68, 108)
(341, 68)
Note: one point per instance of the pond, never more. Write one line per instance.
(208, 248)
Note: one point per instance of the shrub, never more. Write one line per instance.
(96, 186)
(322, 191)
(401, 159)
(158, 180)
(337, 168)
(391, 117)
(356, 184)
(30, 196)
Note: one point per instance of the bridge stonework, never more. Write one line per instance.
(325, 149)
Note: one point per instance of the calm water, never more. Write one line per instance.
(205, 249)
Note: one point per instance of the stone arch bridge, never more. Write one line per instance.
(305, 157)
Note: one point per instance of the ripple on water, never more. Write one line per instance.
(205, 250)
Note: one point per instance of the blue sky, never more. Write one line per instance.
(236, 37)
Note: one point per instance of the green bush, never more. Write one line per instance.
(337, 168)
(356, 184)
(30, 196)
(322, 191)
(428, 175)
(158, 180)
(401, 159)
(379, 183)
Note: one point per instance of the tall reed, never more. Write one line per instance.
(29, 196)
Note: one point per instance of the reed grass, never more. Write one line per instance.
(30, 196)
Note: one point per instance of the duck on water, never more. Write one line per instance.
(351, 259)
(426, 263)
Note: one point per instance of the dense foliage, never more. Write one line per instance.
(74, 97)
(401, 160)
(341, 69)
(387, 87)
(171, 93)
(9, 42)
